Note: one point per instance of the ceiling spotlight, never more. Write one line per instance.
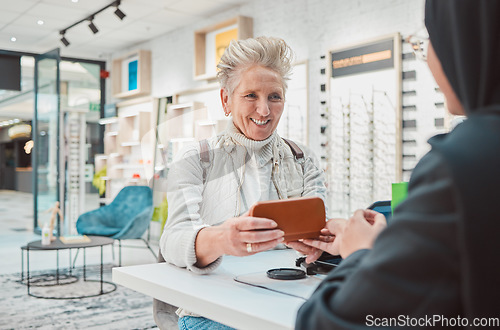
(119, 13)
(13, 39)
(40, 22)
(64, 40)
(92, 27)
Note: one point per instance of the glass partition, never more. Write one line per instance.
(46, 138)
(81, 94)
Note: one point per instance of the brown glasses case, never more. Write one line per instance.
(299, 218)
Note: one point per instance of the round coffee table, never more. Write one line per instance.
(64, 278)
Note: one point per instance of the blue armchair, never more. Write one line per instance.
(126, 217)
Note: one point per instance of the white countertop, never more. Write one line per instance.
(217, 296)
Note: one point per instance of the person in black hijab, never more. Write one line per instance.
(438, 262)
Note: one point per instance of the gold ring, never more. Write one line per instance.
(249, 247)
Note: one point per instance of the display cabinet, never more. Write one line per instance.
(131, 75)
(128, 152)
(210, 43)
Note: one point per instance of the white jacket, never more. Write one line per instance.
(240, 172)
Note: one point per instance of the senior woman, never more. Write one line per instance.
(247, 163)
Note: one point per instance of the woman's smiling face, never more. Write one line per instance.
(256, 103)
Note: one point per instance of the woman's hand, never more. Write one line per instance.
(331, 244)
(239, 236)
(238, 232)
(359, 232)
(312, 253)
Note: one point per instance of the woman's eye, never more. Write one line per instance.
(251, 95)
(275, 97)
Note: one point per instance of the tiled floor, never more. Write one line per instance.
(16, 229)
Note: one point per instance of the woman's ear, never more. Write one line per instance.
(224, 97)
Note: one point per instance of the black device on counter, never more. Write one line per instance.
(325, 263)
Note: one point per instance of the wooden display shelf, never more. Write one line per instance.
(244, 26)
(128, 166)
(180, 119)
(121, 78)
(101, 157)
(135, 119)
(130, 144)
(110, 120)
(185, 105)
(159, 167)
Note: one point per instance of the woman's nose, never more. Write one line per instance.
(263, 109)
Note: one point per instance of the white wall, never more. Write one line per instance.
(311, 27)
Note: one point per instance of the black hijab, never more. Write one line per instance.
(465, 35)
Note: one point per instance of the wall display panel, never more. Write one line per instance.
(364, 122)
(294, 120)
(75, 154)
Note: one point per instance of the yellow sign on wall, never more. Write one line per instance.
(222, 40)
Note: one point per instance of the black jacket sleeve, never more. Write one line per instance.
(412, 270)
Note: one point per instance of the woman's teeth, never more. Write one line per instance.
(259, 122)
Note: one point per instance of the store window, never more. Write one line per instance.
(80, 90)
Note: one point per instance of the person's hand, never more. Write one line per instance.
(334, 228)
(245, 235)
(311, 252)
(239, 236)
(360, 231)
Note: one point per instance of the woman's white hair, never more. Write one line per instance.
(269, 52)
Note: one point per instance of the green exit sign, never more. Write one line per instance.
(94, 106)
